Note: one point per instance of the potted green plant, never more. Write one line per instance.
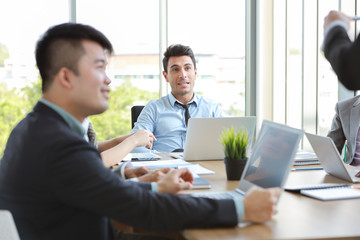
(234, 144)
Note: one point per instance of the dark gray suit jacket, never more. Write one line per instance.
(56, 186)
(345, 125)
(344, 57)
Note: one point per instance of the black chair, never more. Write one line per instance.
(135, 112)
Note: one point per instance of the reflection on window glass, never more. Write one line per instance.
(294, 64)
(327, 79)
(133, 29)
(272, 155)
(21, 24)
(215, 30)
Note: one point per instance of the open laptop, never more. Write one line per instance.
(330, 158)
(203, 134)
(270, 162)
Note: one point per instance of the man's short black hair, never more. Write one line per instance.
(177, 50)
(60, 46)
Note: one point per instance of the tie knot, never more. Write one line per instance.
(185, 106)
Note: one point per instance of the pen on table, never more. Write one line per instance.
(345, 151)
(301, 169)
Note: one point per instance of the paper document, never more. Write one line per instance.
(175, 163)
(162, 163)
(129, 156)
(196, 168)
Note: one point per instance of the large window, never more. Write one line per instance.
(294, 82)
(133, 29)
(215, 30)
(21, 24)
(140, 31)
(305, 87)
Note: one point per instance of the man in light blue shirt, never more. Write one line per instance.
(167, 117)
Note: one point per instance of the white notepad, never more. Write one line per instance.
(332, 193)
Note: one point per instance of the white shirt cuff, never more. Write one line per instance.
(239, 206)
(122, 169)
(154, 187)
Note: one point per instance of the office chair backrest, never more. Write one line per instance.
(8, 229)
(135, 112)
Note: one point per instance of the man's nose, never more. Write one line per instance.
(107, 80)
(183, 73)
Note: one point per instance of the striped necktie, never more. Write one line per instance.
(187, 114)
(91, 134)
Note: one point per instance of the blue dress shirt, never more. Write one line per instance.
(166, 120)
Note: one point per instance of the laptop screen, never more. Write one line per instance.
(272, 156)
(203, 134)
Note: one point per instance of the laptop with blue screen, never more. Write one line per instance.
(270, 162)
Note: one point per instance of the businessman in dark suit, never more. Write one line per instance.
(342, 53)
(55, 183)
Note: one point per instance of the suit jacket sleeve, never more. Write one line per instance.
(344, 57)
(88, 185)
(336, 132)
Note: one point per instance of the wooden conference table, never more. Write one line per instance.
(297, 217)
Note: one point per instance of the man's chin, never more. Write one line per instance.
(100, 110)
(183, 92)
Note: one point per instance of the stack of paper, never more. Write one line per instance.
(305, 158)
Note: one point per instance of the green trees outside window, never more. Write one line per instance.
(116, 121)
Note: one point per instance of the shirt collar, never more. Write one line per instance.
(172, 99)
(74, 124)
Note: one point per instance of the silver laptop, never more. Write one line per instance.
(330, 158)
(203, 134)
(270, 162)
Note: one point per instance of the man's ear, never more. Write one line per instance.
(65, 77)
(165, 76)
